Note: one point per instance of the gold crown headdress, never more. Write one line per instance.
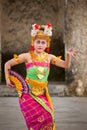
(41, 32)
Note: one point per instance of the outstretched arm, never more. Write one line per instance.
(67, 62)
(61, 63)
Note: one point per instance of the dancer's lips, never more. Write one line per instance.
(40, 48)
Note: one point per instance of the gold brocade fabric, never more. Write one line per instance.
(38, 88)
(55, 59)
(47, 127)
(17, 83)
(41, 58)
(16, 58)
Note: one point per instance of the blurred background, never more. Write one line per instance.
(69, 20)
(68, 87)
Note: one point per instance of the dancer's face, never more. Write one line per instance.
(40, 45)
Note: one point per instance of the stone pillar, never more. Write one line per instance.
(0, 41)
(76, 37)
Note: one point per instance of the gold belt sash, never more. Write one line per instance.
(38, 88)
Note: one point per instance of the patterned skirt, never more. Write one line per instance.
(35, 115)
(37, 110)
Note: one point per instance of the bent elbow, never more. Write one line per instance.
(7, 64)
(67, 66)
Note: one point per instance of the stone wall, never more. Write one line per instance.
(19, 15)
(76, 37)
(17, 18)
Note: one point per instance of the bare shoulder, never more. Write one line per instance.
(27, 54)
(51, 56)
(25, 57)
(54, 58)
(22, 55)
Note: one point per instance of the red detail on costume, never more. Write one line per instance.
(48, 49)
(31, 64)
(31, 48)
(36, 26)
(49, 25)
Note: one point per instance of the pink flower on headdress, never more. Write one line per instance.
(49, 25)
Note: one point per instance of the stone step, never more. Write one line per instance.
(55, 89)
(7, 91)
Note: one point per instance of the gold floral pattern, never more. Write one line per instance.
(40, 72)
(47, 127)
(55, 59)
(41, 58)
(16, 58)
(38, 88)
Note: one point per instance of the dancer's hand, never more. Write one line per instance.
(9, 83)
(74, 53)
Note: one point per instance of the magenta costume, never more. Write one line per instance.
(34, 99)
